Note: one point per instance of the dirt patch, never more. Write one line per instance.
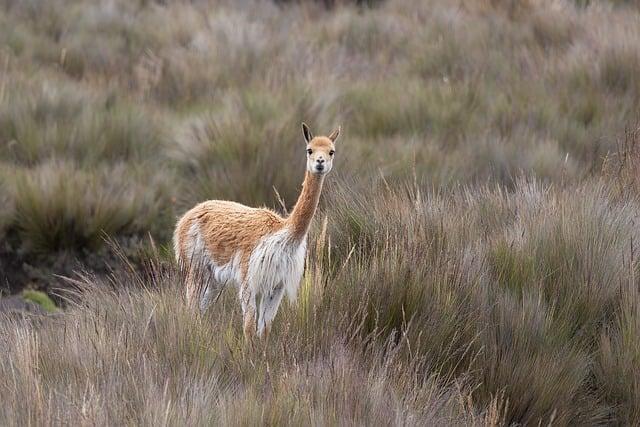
(47, 273)
(13, 276)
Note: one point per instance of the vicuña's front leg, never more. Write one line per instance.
(268, 308)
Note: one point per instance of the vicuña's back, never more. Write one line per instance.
(220, 242)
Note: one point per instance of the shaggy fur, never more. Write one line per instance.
(219, 242)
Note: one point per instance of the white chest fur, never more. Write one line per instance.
(277, 261)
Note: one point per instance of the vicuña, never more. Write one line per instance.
(261, 253)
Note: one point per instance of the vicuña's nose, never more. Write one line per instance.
(320, 160)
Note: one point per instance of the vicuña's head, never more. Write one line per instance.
(320, 150)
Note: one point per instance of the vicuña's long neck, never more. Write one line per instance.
(302, 214)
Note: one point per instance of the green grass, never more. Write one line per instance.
(40, 298)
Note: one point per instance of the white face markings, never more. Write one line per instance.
(320, 154)
(320, 150)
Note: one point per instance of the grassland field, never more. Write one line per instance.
(474, 259)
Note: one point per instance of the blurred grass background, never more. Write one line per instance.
(474, 260)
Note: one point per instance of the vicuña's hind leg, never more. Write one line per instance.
(248, 301)
(200, 288)
(191, 291)
(211, 288)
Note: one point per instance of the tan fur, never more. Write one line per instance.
(300, 219)
(305, 208)
(230, 229)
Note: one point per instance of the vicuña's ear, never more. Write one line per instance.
(308, 136)
(334, 135)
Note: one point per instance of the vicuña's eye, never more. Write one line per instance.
(309, 151)
(332, 152)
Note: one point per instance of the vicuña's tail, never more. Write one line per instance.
(190, 263)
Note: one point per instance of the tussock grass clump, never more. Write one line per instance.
(618, 66)
(558, 258)
(531, 287)
(410, 108)
(58, 121)
(60, 206)
(621, 165)
(617, 362)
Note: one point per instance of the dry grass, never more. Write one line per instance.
(478, 261)
(144, 347)
(437, 324)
